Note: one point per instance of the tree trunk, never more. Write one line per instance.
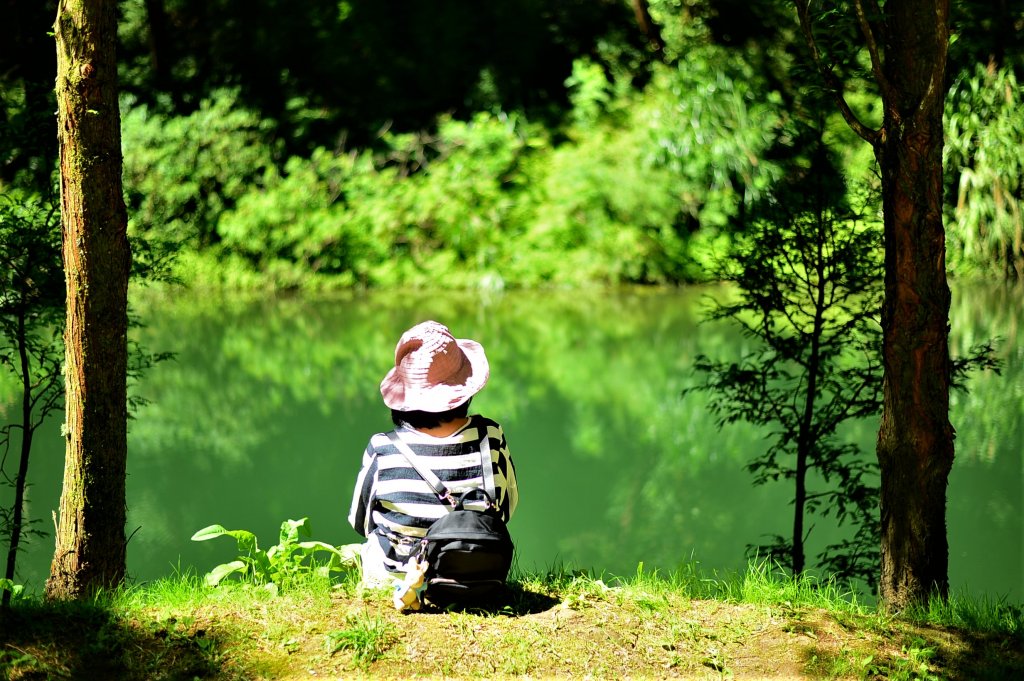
(90, 545)
(159, 46)
(915, 440)
(21, 482)
(642, 12)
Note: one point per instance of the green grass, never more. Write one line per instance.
(560, 623)
(964, 611)
(367, 637)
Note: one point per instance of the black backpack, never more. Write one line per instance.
(468, 552)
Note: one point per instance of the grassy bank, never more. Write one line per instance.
(561, 625)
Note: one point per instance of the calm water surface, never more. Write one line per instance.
(265, 411)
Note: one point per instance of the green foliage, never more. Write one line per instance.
(808, 279)
(633, 189)
(494, 201)
(565, 153)
(984, 163)
(327, 68)
(31, 347)
(32, 310)
(711, 123)
(181, 173)
(294, 558)
(422, 206)
(647, 179)
(31, 287)
(599, 212)
(963, 611)
(8, 585)
(31, 276)
(765, 583)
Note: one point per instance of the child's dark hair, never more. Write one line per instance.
(429, 419)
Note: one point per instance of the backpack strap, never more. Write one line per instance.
(487, 468)
(442, 492)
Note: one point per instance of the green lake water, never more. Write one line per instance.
(264, 413)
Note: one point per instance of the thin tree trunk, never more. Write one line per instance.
(799, 502)
(159, 48)
(90, 544)
(805, 438)
(642, 12)
(915, 440)
(27, 429)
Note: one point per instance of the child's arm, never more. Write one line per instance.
(359, 516)
(511, 496)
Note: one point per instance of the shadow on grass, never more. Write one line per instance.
(513, 601)
(924, 653)
(74, 640)
(984, 656)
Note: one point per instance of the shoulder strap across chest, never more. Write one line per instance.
(424, 471)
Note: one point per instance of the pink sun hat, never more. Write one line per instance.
(434, 371)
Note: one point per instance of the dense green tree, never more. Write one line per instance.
(984, 165)
(694, 94)
(323, 73)
(28, 145)
(808, 282)
(907, 45)
(986, 32)
(336, 73)
(31, 304)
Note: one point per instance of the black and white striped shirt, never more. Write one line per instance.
(392, 501)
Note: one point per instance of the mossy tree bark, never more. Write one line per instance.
(908, 43)
(90, 545)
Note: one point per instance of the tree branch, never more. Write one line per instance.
(872, 45)
(833, 83)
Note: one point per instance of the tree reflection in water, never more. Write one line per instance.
(264, 414)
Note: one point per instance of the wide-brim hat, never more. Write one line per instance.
(434, 371)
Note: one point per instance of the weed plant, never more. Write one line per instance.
(367, 637)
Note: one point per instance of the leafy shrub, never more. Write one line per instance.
(280, 566)
(984, 161)
(645, 178)
(181, 173)
(16, 590)
(808, 278)
(629, 192)
(295, 220)
(425, 205)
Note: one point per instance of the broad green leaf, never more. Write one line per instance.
(210, 532)
(214, 577)
(350, 552)
(246, 541)
(261, 561)
(9, 585)
(314, 545)
(291, 530)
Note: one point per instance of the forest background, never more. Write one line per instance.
(515, 144)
